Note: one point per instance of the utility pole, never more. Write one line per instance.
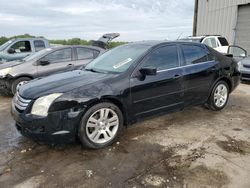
(195, 17)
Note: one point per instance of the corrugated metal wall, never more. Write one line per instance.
(242, 32)
(218, 17)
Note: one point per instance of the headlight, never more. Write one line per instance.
(239, 65)
(4, 72)
(42, 104)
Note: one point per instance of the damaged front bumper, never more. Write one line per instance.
(5, 84)
(57, 128)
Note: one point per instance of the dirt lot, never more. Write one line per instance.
(192, 148)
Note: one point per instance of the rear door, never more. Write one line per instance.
(160, 92)
(57, 61)
(84, 56)
(199, 72)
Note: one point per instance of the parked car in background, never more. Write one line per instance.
(19, 48)
(216, 42)
(238, 53)
(48, 61)
(244, 67)
(125, 84)
(45, 62)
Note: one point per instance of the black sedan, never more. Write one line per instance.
(123, 85)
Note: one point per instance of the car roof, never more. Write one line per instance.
(71, 46)
(35, 38)
(156, 43)
(201, 36)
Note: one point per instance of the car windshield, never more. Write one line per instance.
(37, 55)
(5, 45)
(118, 60)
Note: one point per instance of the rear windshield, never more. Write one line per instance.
(223, 41)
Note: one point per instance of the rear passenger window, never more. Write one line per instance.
(194, 54)
(223, 41)
(163, 58)
(39, 45)
(85, 53)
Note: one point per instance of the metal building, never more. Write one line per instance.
(230, 18)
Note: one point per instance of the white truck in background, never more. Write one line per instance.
(220, 44)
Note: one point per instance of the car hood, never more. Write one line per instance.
(246, 61)
(61, 83)
(4, 65)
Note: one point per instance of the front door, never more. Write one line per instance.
(160, 92)
(56, 62)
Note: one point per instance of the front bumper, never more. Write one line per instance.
(245, 73)
(245, 76)
(57, 128)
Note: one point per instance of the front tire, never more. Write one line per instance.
(18, 82)
(100, 125)
(219, 96)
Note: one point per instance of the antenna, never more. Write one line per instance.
(179, 36)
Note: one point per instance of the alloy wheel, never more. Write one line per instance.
(102, 125)
(220, 95)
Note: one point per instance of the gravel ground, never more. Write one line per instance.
(188, 149)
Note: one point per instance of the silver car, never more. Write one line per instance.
(244, 68)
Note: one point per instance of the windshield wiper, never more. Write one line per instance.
(92, 70)
(98, 71)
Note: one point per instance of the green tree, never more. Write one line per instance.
(73, 41)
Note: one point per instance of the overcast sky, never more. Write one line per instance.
(88, 19)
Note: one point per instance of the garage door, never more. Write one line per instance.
(242, 35)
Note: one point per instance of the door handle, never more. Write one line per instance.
(176, 76)
(70, 65)
(212, 70)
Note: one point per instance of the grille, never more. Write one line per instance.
(21, 103)
(245, 75)
(247, 66)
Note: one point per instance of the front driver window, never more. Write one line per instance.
(59, 56)
(21, 47)
(163, 58)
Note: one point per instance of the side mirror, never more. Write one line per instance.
(148, 71)
(44, 62)
(229, 55)
(11, 51)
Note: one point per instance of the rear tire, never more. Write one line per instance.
(18, 82)
(100, 125)
(219, 96)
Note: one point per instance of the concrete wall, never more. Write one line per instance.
(218, 17)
